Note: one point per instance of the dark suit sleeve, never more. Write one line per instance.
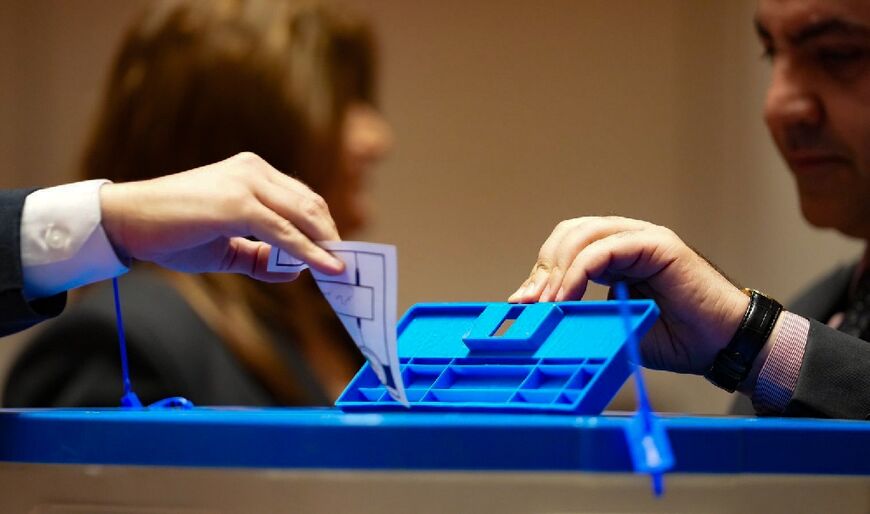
(834, 379)
(16, 313)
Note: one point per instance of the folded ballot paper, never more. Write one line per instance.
(364, 298)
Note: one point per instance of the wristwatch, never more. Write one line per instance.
(734, 362)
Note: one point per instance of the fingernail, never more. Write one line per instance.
(560, 296)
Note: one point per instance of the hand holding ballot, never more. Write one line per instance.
(198, 221)
(701, 308)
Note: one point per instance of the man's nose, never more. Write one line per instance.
(791, 99)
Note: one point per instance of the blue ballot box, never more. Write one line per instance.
(501, 420)
(325, 460)
(313, 438)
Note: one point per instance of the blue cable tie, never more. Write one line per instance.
(647, 439)
(129, 399)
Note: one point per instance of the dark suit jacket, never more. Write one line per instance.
(834, 379)
(16, 313)
(172, 352)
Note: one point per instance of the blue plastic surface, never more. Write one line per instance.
(330, 439)
(567, 357)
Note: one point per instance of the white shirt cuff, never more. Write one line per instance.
(63, 244)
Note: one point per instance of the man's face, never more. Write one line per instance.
(818, 104)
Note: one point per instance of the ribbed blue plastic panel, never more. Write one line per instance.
(555, 357)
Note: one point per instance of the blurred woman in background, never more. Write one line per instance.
(196, 82)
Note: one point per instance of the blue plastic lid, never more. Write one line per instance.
(566, 357)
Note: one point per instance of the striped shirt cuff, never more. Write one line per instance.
(779, 374)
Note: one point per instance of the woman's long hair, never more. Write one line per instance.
(198, 81)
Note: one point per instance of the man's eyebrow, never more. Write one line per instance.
(830, 26)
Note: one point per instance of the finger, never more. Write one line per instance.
(301, 206)
(631, 255)
(268, 226)
(559, 250)
(261, 267)
(516, 296)
(519, 296)
(533, 286)
(251, 258)
(285, 180)
(575, 236)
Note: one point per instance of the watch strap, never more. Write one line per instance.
(734, 362)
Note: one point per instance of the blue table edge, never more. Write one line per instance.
(328, 439)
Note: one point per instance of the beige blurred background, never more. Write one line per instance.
(510, 116)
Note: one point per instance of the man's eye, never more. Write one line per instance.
(840, 56)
